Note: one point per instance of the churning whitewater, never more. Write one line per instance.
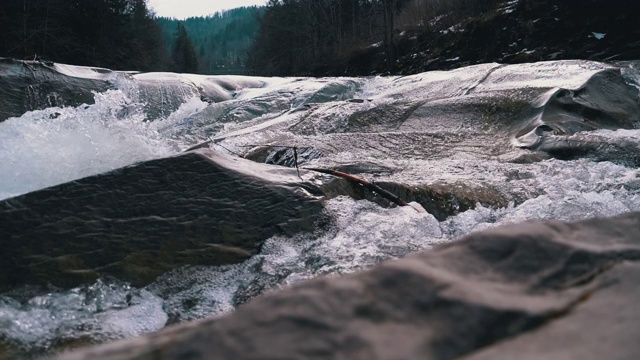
(478, 147)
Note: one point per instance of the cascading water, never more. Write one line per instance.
(47, 147)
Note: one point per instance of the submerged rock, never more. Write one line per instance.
(534, 290)
(140, 221)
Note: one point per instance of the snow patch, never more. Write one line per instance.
(509, 7)
(599, 36)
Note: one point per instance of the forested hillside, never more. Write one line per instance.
(125, 35)
(364, 37)
(305, 36)
(118, 34)
(221, 41)
(320, 37)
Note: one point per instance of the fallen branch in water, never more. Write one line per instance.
(370, 186)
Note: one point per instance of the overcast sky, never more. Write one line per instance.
(182, 9)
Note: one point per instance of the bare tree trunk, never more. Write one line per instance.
(46, 30)
(354, 29)
(24, 27)
(389, 26)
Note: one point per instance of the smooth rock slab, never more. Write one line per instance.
(140, 221)
(35, 85)
(532, 290)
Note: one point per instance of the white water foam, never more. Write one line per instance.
(102, 311)
(52, 146)
(365, 234)
(362, 234)
(571, 190)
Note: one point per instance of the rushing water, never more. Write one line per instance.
(47, 147)
(56, 145)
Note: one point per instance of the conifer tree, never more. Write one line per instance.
(184, 55)
(118, 34)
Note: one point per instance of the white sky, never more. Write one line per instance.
(182, 9)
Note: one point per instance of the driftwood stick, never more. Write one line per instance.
(370, 186)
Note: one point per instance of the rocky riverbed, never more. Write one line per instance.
(169, 198)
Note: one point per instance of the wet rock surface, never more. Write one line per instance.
(477, 147)
(34, 85)
(484, 111)
(537, 289)
(164, 93)
(605, 101)
(140, 221)
(439, 199)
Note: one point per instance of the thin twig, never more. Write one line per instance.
(295, 153)
(231, 151)
(264, 145)
(212, 142)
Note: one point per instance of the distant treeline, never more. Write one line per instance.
(125, 34)
(118, 34)
(299, 36)
(221, 41)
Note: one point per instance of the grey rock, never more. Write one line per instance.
(164, 93)
(532, 290)
(605, 101)
(34, 85)
(140, 221)
(439, 199)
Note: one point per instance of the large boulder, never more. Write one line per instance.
(164, 93)
(140, 221)
(35, 85)
(605, 101)
(517, 113)
(546, 290)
